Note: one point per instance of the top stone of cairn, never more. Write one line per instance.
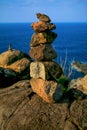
(43, 17)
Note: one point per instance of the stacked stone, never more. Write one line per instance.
(44, 71)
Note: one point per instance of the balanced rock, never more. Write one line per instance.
(42, 26)
(47, 70)
(43, 52)
(49, 91)
(42, 38)
(43, 17)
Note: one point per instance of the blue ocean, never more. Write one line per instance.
(71, 40)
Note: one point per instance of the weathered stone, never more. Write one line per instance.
(42, 26)
(49, 91)
(43, 52)
(42, 38)
(47, 70)
(10, 56)
(20, 65)
(80, 84)
(70, 126)
(43, 17)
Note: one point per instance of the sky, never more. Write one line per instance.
(57, 10)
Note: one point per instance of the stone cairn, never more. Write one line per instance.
(43, 70)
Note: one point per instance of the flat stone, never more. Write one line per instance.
(42, 38)
(45, 70)
(43, 52)
(49, 91)
(42, 26)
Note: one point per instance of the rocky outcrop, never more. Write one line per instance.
(80, 67)
(14, 65)
(44, 67)
(22, 109)
(10, 56)
(79, 84)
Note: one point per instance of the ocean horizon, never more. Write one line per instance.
(71, 39)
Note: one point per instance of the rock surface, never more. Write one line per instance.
(21, 109)
(49, 91)
(80, 84)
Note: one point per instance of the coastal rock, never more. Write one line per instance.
(20, 65)
(42, 26)
(43, 17)
(42, 38)
(79, 84)
(49, 91)
(47, 70)
(10, 56)
(81, 67)
(43, 52)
